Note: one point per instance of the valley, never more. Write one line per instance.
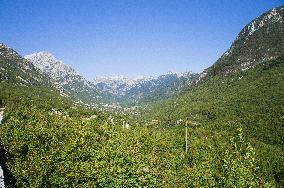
(113, 93)
(61, 130)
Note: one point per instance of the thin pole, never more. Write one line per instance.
(186, 137)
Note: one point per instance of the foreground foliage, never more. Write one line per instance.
(52, 143)
(252, 100)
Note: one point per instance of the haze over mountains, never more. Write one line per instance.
(259, 41)
(110, 89)
(146, 89)
(254, 44)
(65, 78)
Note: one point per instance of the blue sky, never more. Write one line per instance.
(128, 37)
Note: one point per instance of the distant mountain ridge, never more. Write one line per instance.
(145, 89)
(259, 41)
(243, 90)
(118, 85)
(66, 79)
(234, 118)
(109, 92)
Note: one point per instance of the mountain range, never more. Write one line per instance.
(220, 128)
(109, 90)
(259, 41)
(145, 89)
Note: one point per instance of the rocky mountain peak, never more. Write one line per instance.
(8, 52)
(144, 88)
(47, 63)
(259, 41)
(275, 15)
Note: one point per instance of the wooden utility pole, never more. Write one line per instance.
(186, 137)
(192, 124)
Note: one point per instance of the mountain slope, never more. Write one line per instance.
(51, 143)
(251, 100)
(14, 69)
(243, 89)
(109, 93)
(66, 79)
(259, 41)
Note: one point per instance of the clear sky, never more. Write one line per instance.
(128, 37)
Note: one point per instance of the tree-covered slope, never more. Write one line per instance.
(235, 119)
(16, 70)
(51, 143)
(243, 89)
(251, 100)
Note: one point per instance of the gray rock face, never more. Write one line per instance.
(145, 89)
(69, 82)
(259, 41)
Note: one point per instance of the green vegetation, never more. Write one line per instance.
(237, 143)
(235, 132)
(252, 100)
(16, 70)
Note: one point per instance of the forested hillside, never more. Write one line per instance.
(49, 142)
(243, 89)
(16, 70)
(251, 100)
(226, 130)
